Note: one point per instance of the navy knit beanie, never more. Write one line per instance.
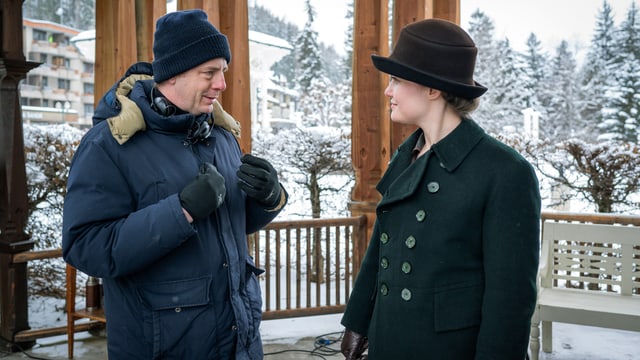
(184, 40)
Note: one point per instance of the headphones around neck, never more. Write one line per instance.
(160, 104)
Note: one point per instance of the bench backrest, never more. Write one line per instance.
(606, 257)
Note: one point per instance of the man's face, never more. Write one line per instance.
(196, 89)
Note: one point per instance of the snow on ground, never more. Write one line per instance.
(570, 342)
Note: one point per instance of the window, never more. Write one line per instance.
(45, 81)
(64, 84)
(88, 109)
(43, 58)
(45, 103)
(39, 35)
(67, 63)
(87, 67)
(57, 61)
(88, 88)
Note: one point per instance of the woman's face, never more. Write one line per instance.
(408, 100)
(196, 89)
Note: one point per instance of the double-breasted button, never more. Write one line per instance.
(433, 187)
(406, 267)
(421, 215)
(410, 242)
(384, 238)
(384, 262)
(384, 290)
(406, 294)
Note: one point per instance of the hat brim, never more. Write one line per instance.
(392, 67)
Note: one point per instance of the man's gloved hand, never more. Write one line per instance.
(204, 194)
(259, 180)
(353, 345)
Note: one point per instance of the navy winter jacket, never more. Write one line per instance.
(173, 290)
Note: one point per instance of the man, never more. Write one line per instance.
(159, 203)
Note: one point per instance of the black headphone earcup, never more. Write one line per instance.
(163, 107)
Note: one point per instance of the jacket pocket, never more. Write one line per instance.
(254, 297)
(177, 315)
(458, 308)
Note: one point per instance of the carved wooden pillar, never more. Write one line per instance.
(13, 179)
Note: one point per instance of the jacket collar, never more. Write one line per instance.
(450, 152)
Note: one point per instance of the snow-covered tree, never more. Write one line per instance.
(481, 29)
(315, 160)
(534, 69)
(48, 153)
(622, 115)
(325, 104)
(307, 52)
(559, 96)
(597, 73)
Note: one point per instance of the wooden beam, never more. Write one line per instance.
(234, 22)
(147, 13)
(370, 125)
(445, 9)
(116, 43)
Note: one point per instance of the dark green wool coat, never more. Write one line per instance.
(450, 272)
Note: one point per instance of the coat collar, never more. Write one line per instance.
(450, 152)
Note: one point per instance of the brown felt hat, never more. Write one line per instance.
(435, 53)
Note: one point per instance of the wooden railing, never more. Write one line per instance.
(310, 266)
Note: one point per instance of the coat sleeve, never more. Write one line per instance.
(103, 234)
(511, 230)
(357, 315)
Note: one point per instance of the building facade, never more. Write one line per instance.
(61, 88)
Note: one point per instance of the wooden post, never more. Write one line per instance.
(234, 22)
(232, 19)
(370, 124)
(147, 13)
(13, 179)
(116, 45)
(374, 137)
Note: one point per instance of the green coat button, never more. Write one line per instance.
(384, 238)
(406, 267)
(384, 262)
(406, 294)
(421, 215)
(384, 290)
(433, 187)
(410, 242)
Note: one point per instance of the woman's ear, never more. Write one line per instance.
(433, 94)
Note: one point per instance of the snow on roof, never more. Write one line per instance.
(89, 35)
(265, 39)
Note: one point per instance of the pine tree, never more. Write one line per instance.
(534, 69)
(77, 14)
(597, 73)
(307, 53)
(559, 97)
(622, 116)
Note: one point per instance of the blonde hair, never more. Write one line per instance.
(464, 107)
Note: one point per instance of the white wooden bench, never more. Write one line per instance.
(587, 256)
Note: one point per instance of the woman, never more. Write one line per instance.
(450, 271)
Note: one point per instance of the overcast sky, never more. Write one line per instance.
(551, 20)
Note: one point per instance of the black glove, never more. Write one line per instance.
(204, 194)
(353, 345)
(259, 180)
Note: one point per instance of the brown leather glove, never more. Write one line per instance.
(353, 345)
